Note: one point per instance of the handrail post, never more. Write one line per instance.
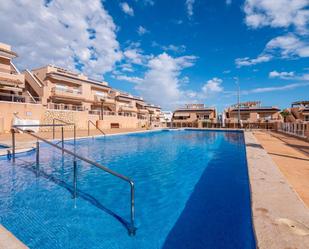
(53, 128)
(13, 144)
(37, 155)
(62, 139)
(74, 134)
(132, 229)
(74, 179)
(88, 128)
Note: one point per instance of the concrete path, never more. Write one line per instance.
(290, 155)
(281, 219)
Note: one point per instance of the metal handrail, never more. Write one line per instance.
(90, 122)
(132, 228)
(66, 123)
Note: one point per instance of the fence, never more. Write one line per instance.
(296, 129)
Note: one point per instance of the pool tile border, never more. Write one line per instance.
(280, 218)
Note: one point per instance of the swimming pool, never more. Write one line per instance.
(192, 191)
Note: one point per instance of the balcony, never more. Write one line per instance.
(67, 93)
(65, 107)
(127, 108)
(143, 111)
(12, 80)
(19, 98)
(105, 99)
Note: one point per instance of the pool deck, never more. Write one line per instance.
(9, 241)
(280, 217)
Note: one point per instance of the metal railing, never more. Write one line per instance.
(19, 98)
(62, 132)
(131, 228)
(65, 107)
(90, 122)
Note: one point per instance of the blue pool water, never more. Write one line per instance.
(192, 192)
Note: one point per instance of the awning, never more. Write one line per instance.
(182, 114)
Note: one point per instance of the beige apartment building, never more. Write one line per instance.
(194, 115)
(252, 115)
(12, 82)
(52, 92)
(299, 112)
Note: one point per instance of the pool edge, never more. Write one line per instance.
(273, 202)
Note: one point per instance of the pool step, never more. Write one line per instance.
(9, 241)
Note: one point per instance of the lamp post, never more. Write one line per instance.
(238, 98)
(102, 108)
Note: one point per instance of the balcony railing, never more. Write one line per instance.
(19, 98)
(67, 92)
(105, 113)
(65, 107)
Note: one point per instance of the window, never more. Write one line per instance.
(306, 118)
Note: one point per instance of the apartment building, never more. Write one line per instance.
(12, 82)
(194, 115)
(252, 114)
(299, 112)
(155, 115)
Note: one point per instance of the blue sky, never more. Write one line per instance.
(171, 52)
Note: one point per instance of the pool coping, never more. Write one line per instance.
(8, 240)
(280, 218)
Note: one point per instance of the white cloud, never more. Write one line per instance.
(246, 61)
(281, 75)
(61, 33)
(189, 5)
(289, 75)
(212, 86)
(175, 48)
(275, 88)
(286, 47)
(134, 55)
(127, 9)
(141, 30)
(161, 83)
(132, 79)
(277, 13)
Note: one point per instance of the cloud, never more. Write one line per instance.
(127, 9)
(175, 48)
(161, 84)
(63, 33)
(289, 75)
(277, 14)
(189, 5)
(170, 47)
(141, 30)
(212, 86)
(281, 75)
(288, 46)
(285, 47)
(132, 79)
(246, 61)
(275, 88)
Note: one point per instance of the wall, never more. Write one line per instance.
(46, 116)
(24, 110)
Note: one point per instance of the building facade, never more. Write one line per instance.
(252, 115)
(194, 115)
(52, 92)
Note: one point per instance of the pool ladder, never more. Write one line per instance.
(131, 227)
